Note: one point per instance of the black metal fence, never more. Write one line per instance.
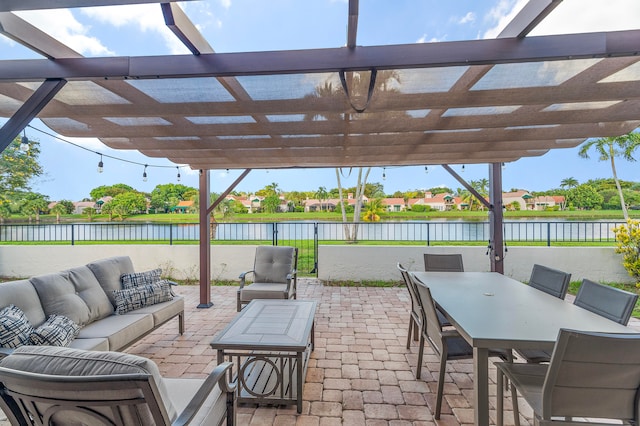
(307, 235)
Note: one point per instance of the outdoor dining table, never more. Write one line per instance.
(491, 310)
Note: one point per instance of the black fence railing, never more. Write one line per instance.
(307, 235)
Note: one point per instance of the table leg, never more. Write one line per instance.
(481, 385)
(299, 371)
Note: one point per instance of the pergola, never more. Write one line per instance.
(478, 101)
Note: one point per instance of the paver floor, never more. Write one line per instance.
(360, 372)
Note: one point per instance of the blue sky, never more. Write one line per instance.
(253, 25)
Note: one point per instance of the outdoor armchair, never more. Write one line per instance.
(274, 275)
(555, 283)
(590, 375)
(47, 385)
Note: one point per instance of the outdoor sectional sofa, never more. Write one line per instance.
(86, 295)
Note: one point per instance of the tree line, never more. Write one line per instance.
(18, 168)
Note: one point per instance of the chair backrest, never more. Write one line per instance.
(594, 375)
(551, 281)
(609, 302)
(274, 264)
(125, 399)
(430, 317)
(415, 302)
(44, 385)
(443, 262)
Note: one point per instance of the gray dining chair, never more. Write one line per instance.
(590, 375)
(549, 280)
(274, 275)
(450, 262)
(447, 262)
(609, 302)
(415, 317)
(555, 283)
(447, 343)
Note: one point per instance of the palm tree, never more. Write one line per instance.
(321, 194)
(58, 209)
(610, 148)
(568, 183)
(373, 209)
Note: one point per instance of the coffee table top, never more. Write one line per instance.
(270, 325)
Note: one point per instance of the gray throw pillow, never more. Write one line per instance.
(14, 327)
(137, 297)
(57, 330)
(140, 278)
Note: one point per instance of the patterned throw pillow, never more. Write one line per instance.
(140, 278)
(57, 330)
(137, 297)
(14, 327)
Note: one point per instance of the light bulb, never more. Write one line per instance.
(178, 173)
(100, 165)
(144, 174)
(24, 143)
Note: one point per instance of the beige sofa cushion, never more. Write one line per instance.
(89, 289)
(59, 297)
(119, 330)
(23, 295)
(74, 362)
(108, 272)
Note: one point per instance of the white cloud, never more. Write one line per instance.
(146, 17)
(573, 16)
(62, 25)
(501, 14)
(225, 3)
(469, 17)
(570, 16)
(424, 39)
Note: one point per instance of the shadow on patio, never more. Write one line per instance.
(359, 373)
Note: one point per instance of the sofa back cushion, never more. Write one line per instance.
(22, 294)
(59, 297)
(60, 361)
(90, 290)
(108, 272)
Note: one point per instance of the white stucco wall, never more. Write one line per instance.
(379, 262)
(346, 262)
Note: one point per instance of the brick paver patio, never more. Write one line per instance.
(360, 372)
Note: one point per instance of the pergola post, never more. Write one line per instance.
(496, 230)
(205, 241)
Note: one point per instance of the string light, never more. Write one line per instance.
(463, 167)
(24, 142)
(384, 174)
(426, 169)
(178, 168)
(100, 165)
(144, 174)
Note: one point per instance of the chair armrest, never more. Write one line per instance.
(220, 376)
(242, 277)
(172, 282)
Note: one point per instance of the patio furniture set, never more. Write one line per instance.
(263, 352)
(577, 360)
(82, 316)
